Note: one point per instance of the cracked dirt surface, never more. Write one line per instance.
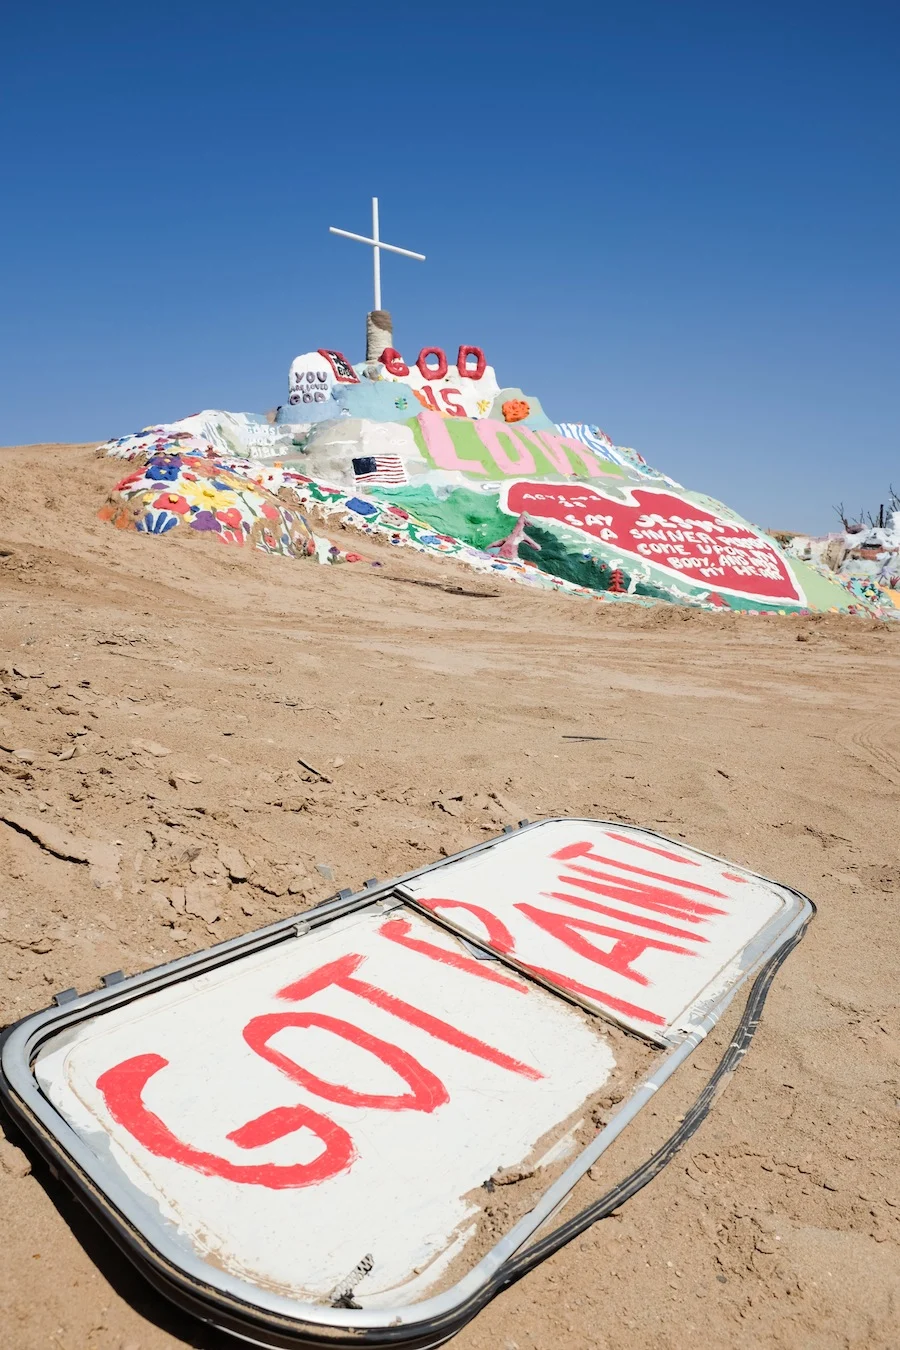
(156, 698)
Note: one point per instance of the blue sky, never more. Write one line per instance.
(676, 220)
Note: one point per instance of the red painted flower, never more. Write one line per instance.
(231, 517)
(132, 478)
(231, 536)
(269, 511)
(171, 501)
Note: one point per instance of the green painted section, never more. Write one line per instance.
(584, 568)
(469, 446)
(536, 418)
(473, 517)
(476, 518)
(820, 592)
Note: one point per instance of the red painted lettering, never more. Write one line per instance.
(453, 408)
(498, 935)
(426, 397)
(123, 1085)
(640, 920)
(626, 948)
(650, 848)
(341, 973)
(617, 1005)
(393, 362)
(663, 899)
(640, 893)
(466, 371)
(747, 565)
(427, 1092)
(397, 930)
(500, 939)
(432, 372)
(585, 851)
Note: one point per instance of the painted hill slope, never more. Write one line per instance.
(440, 457)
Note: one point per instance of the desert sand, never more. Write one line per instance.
(157, 696)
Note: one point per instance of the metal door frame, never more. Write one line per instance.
(259, 1316)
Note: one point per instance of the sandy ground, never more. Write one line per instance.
(775, 743)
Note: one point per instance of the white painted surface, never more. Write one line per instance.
(455, 394)
(329, 453)
(310, 380)
(401, 1198)
(647, 987)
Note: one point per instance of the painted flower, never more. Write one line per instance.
(230, 517)
(131, 478)
(205, 520)
(231, 536)
(515, 410)
(171, 501)
(269, 511)
(163, 470)
(158, 522)
(213, 499)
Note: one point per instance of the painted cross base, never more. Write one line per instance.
(379, 333)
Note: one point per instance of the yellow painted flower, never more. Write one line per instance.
(212, 496)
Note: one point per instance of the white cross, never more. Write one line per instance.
(377, 246)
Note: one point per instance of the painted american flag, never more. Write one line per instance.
(370, 470)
